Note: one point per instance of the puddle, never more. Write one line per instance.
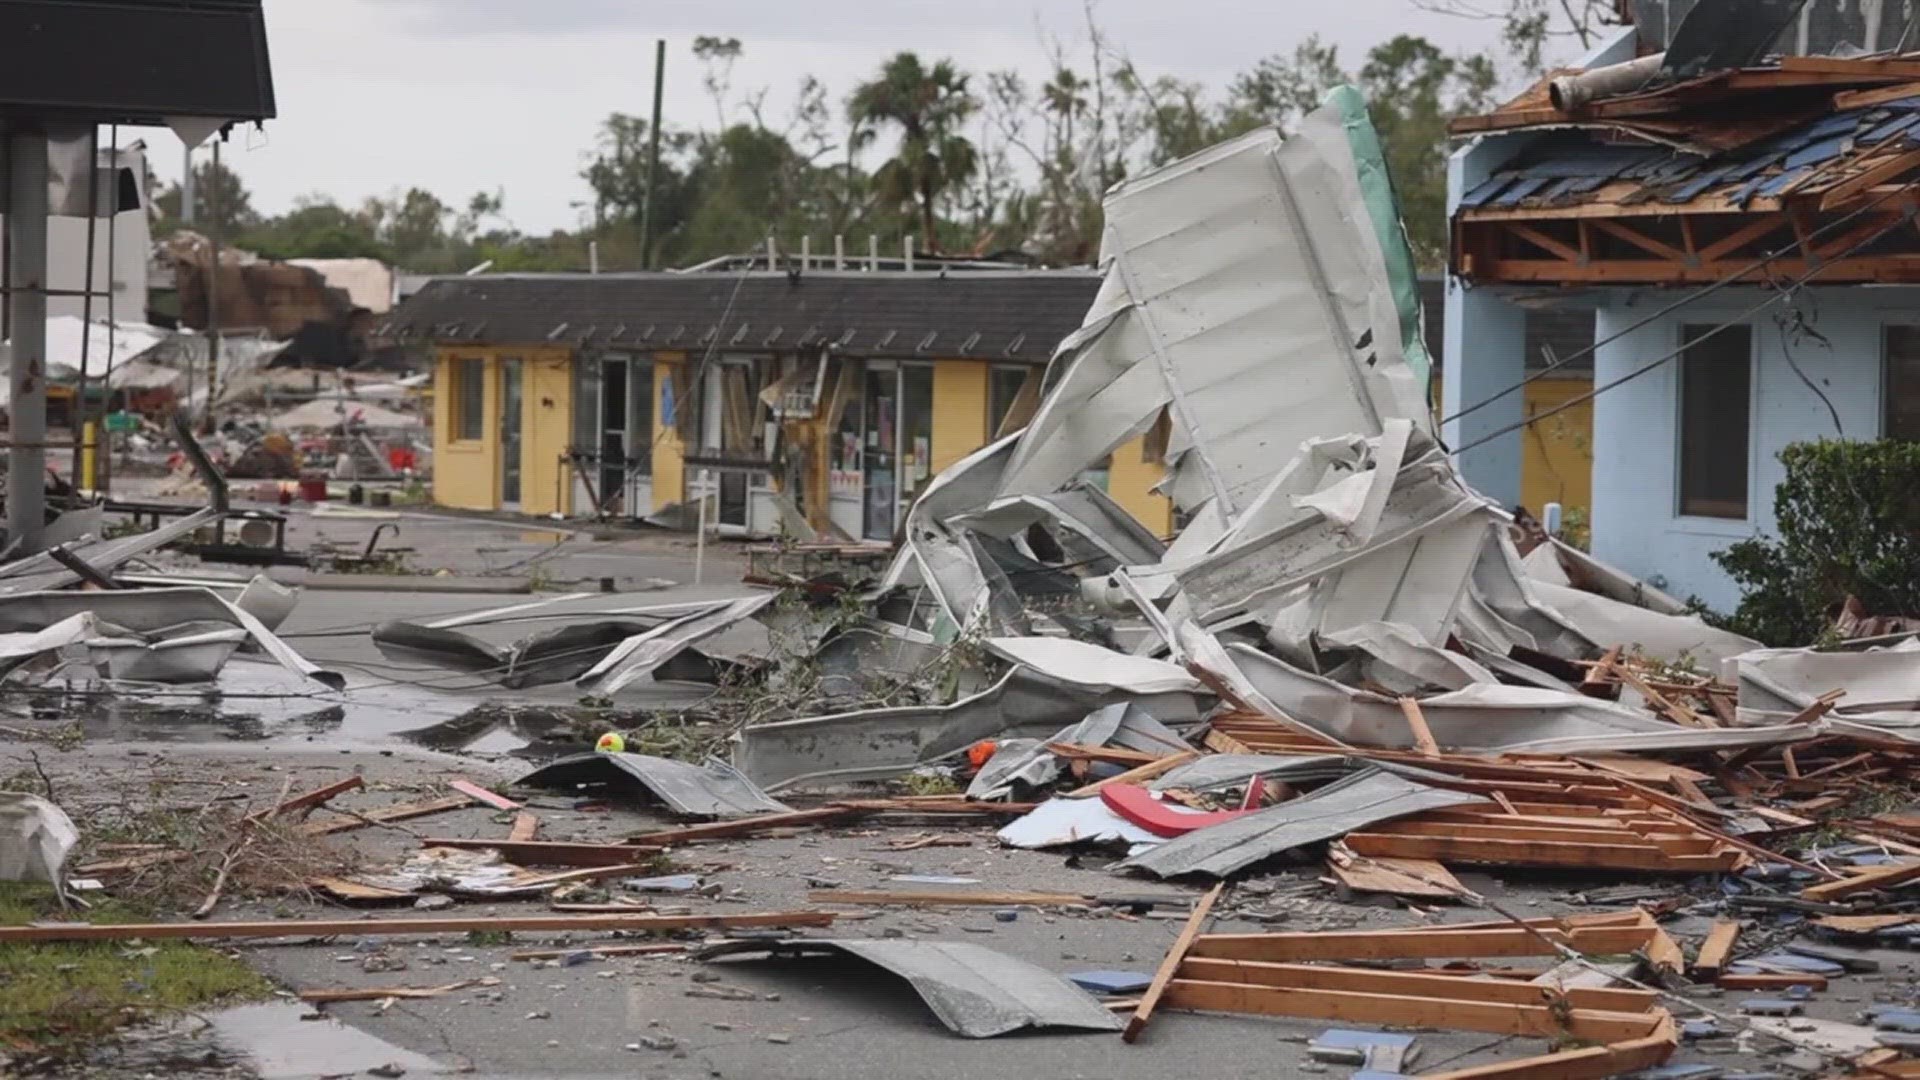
(543, 537)
(279, 1045)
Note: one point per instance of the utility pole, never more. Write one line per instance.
(27, 316)
(653, 156)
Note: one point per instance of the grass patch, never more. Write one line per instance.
(60, 998)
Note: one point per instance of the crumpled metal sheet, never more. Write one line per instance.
(1669, 638)
(183, 658)
(1559, 563)
(1882, 685)
(1093, 667)
(1250, 292)
(875, 743)
(555, 655)
(639, 655)
(1481, 717)
(1401, 660)
(41, 573)
(22, 646)
(975, 991)
(1214, 771)
(1029, 763)
(1715, 35)
(152, 611)
(1095, 524)
(35, 837)
(1365, 798)
(713, 790)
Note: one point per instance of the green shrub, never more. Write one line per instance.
(1848, 522)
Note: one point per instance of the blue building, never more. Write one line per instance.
(1739, 228)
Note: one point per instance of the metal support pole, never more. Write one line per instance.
(214, 210)
(76, 415)
(27, 307)
(105, 454)
(700, 531)
(839, 251)
(653, 155)
(186, 187)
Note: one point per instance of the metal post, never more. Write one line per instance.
(653, 155)
(700, 531)
(105, 456)
(186, 187)
(76, 415)
(593, 256)
(27, 304)
(213, 291)
(906, 250)
(773, 253)
(873, 252)
(806, 254)
(839, 251)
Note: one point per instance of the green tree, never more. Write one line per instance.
(929, 107)
(617, 173)
(316, 228)
(219, 196)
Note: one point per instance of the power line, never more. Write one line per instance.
(1760, 264)
(1684, 346)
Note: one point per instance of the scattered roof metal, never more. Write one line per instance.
(1813, 158)
(980, 314)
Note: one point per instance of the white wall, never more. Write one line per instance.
(1636, 520)
(131, 246)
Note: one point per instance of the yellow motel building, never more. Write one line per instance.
(831, 395)
(836, 393)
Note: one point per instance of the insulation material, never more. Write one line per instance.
(1348, 805)
(1253, 291)
(1882, 686)
(35, 837)
(1093, 667)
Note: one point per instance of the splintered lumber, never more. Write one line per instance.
(720, 830)
(1663, 953)
(1579, 850)
(1588, 1063)
(945, 898)
(938, 805)
(1170, 964)
(397, 812)
(1768, 981)
(1398, 877)
(1468, 1012)
(313, 798)
(481, 795)
(1714, 951)
(385, 927)
(1879, 877)
(1422, 735)
(1862, 924)
(549, 852)
(352, 891)
(1137, 774)
(1112, 755)
(526, 825)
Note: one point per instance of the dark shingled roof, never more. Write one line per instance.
(975, 314)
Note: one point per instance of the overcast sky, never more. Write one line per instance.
(459, 96)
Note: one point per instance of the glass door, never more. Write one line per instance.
(509, 434)
(613, 431)
(877, 464)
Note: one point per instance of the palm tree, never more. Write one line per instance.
(928, 106)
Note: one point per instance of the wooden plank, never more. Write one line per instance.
(377, 993)
(481, 795)
(1769, 982)
(1491, 1017)
(1135, 775)
(1422, 735)
(1588, 1063)
(721, 830)
(938, 806)
(384, 927)
(526, 825)
(1505, 940)
(358, 892)
(548, 852)
(1880, 95)
(1163, 977)
(1864, 67)
(1862, 924)
(1415, 984)
(1712, 958)
(1539, 853)
(1879, 877)
(1112, 755)
(944, 898)
(385, 815)
(1663, 953)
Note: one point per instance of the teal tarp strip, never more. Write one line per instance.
(1376, 190)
